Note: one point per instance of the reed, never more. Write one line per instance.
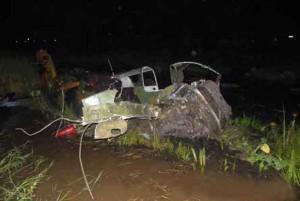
(22, 171)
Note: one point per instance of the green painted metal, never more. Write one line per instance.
(146, 97)
(121, 110)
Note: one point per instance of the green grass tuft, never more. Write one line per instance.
(21, 173)
(183, 152)
(283, 140)
(202, 159)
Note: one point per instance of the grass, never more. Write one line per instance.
(286, 149)
(278, 147)
(246, 122)
(237, 139)
(227, 164)
(133, 138)
(22, 171)
(18, 74)
(243, 121)
(168, 146)
(202, 159)
(157, 143)
(274, 147)
(183, 152)
(52, 111)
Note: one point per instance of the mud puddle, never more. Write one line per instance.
(132, 174)
(138, 174)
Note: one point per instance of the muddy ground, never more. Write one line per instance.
(136, 173)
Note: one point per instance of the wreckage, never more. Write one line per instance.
(190, 107)
(193, 109)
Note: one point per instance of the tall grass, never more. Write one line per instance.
(21, 172)
(202, 159)
(52, 111)
(287, 149)
(18, 74)
(183, 152)
(246, 123)
(278, 148)
(237, 139)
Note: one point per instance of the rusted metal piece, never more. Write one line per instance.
(196, 110)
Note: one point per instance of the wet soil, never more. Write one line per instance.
(135, 173)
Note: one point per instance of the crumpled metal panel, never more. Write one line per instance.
(121, 110)
(102, 98)
(110, 129)
(193, 111)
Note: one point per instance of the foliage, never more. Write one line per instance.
(21, 173)
(237, 139)
(247, 123)
(227, 164)
(286, 149)
(202, 159)
(278, 149)
(157, 143)
(183, 152)
(169, 145)
(265, 161)
(52, 111)
(133, 138)
(154, 141)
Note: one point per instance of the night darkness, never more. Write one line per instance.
(233, 35)
(91, 25)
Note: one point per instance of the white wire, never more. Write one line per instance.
(31, 134)
(81, 164)
(62, 109)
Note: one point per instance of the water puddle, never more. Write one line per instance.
(129, 174)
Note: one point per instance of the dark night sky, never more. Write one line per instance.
(91, 23)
